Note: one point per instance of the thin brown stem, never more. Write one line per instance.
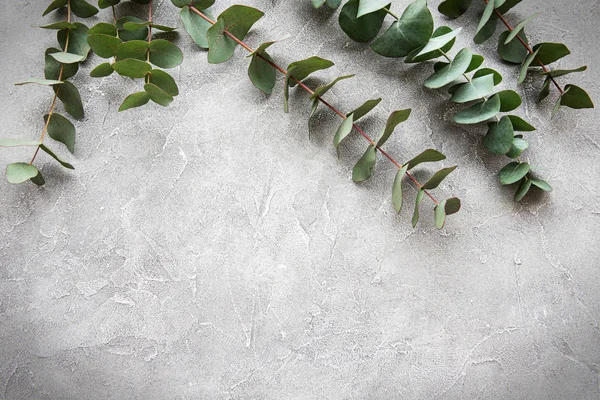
(528, 48)
(60, 74)
(325, 103)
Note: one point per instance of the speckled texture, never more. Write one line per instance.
(210, 250)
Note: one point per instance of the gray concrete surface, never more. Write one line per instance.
(210, 250)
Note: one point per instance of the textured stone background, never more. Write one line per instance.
(210, 250)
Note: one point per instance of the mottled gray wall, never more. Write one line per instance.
(210, 250)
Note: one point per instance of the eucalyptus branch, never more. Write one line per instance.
(60, 65)
(519, 51)
(412, 37)
(222, 35)
(129, 43)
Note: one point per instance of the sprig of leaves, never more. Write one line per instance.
(412, 36)
(61, 63)
(129, 43)
(228, 31)
(514, 47)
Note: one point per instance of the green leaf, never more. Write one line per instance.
(135, 100)
(220, 46)
(67, 58)
(318, 3)
(395, 118)
(125, 35)
(479, 112)
(519, 124)
(576, 97)
(440, 214)
(302, 69)
(262, 73)
(56, 4)
(158, 95)
(413, 58)
(107, 3)
(513, 52)
(551, 52)
(509, 100)
(343, 131)
(69, 95)
(476, 89)
(363, 169)
(364, 109)
(487, 13)
(333, 4)
(103, 28)
(504, 5)
(454, 8)
(132, 68)
(397, 189)
(83, 9)
(513, 34)
(78, 40)
(487, 31)
(322, 90)
(452, 206)
(561, 72)
(51, 154)
(165, 54)
(523, 189)
(363, 29)
(137, 49)
(61, 130)
(429, 155)
(18, 142)
(196, 26)
(199, 4)
(20, 172)
(239, 19)
(489, 71)
(513, 172)
(102, 70)
(436, 43)
(499, 137)
(45, 82)
(60, 25)
(164, 81)
(476, 62)
(413, 30)
(415, 217)
(52, 67)
(518, 146)
(454, 70)
(104, 46)
(545, 91)
(369, 6)
(525, 66)
(437, 178)
(540, 183)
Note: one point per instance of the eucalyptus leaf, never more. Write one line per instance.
(261, 71)
(165, 54)
(551, 52)
(38, 81)
(198, 4)
(518, 146)
(52, 68)
(102, 70)
(449, 73)
(69, 95)
(513, 34)
(523, 189)
(51, 154)
(413, 56)
(513, 52)
(137, 49)
(454, 8)
(476, 62)
(519, 124)
(526, 65)
(300, 70)
(415, 218)
(104, 46)
(55, 5)
(67, 58)
(475, 89)
(83, 9)
(322, 90)
(164, 81)
(158, 95)
(429, 155)
(196, 26)
(513, 172)
(365, 108)
(479, 112)
(545, 91)
(499, 137)
(489, 71)
(132, 68)
(18, 142)
(561, 72)
(343, 131)
(540, 183)
(61, 130)
(395, 118)
(487, 13)
(437, 178)
(452, 206)
(576, 97)
(363, 169)
(78, 40)
(487, 31)
(369, 6)
(20, 172)
(60, 25)
(436, 43)
(125, 35)
(411, 31)
(440, 214)
(103, 28)
(509, 100)
(135, 100)
(397, 198)
(363, 29)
